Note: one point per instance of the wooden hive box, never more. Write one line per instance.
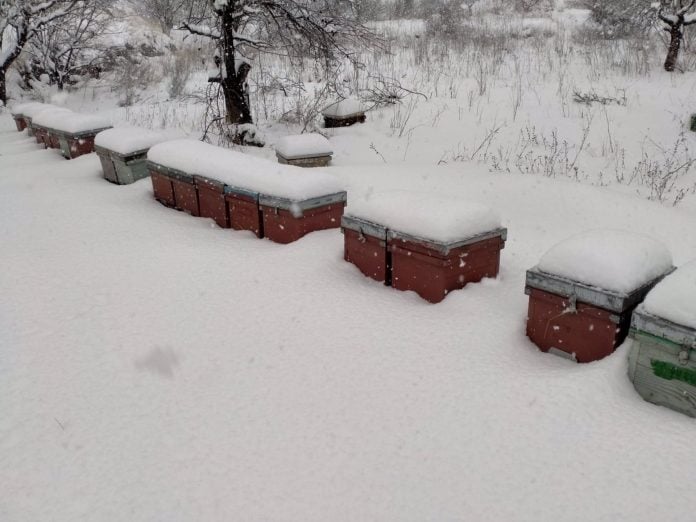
(344, 113)
(243, 210)
(365, 246)
(21, 114)
(662, 357)
(174, 188)
(288, 220)
(123, 153)
(162, 186)
(44, 123)
(433, 269)
(244, 192)
(304, 150)
(211, 200)
(76, 133)
(425, 244)
(584, 321)
(20, 122)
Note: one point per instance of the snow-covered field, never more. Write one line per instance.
(156, 368)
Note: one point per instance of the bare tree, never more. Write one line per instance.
(73, 46)
(167, 13)
(20, 20)
(676, 15)
(321, 29)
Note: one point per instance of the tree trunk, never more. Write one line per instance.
(675, 34)
(3, 87)
(234, 84)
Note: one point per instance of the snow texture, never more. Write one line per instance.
(614, 260)
(437, 218)
(303, 146)
(244, 171)
(52, 117)
(674, 298)
(32, 110)
(76, 123)
(127, 140)
(344, 108)
(23, 108)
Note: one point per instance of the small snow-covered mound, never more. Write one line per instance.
(344, 108)
(303, 146)
(432, 217)
(127, 140)
(614, 260)
(674, 298)
(244, 171)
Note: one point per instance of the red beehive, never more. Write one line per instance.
(366, 247)
(185, 193)
(53, 141)
(20, 122)
(433, 269)
(79, 145)
(211, 200)
(286, 220)
(41, 135)
(161, 185)
(578, 321)
(243, 210)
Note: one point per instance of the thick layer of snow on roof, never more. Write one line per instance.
(76, 123)
(614, 260)
(244, 171)
(674, 298)
(126, 140)
(31, 110)
(303, 146)
(22, 108)
(51, 117)
(433, 217)
(344, 108)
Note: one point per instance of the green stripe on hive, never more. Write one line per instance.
(671, 372)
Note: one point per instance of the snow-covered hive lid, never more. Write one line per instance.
(51, 117)
(303, 146)
(344, 109)
(613, 260)
(77, 123)
(427, 216)
(32, 110)
(21, 109)
(128, 140)
(243, 171)
(674, 298)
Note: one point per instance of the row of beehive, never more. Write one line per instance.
(59, 128)
(567, 316)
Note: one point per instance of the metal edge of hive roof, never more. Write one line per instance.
(231, 189)
(446, 247)
(644, 322)
(613, 301)
(362, 226)
(304, 156)
(168, 171)
(123, 157)
(302, 204)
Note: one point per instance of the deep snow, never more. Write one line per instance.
(155, 367)
(674, 298)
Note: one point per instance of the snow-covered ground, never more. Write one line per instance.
(156, 368)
